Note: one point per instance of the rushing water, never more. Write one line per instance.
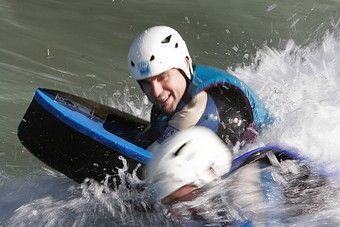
(287, 51)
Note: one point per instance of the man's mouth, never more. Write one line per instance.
(163, 99)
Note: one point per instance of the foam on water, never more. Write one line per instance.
(87, 204)
(233, 199)
(300, 85)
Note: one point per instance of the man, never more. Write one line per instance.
(186, 95)
(185, 163)
(192, 174)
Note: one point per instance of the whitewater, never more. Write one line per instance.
(300, 86)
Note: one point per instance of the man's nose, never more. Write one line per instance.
(156, 89)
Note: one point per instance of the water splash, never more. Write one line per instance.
(300, 87)
(90, 203)
(131, 103)
(292, 194)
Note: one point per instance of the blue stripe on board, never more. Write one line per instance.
(237, 162)
(93, 129)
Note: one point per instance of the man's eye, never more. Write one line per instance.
(163, 77)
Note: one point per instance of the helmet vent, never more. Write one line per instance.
(176, 45)
(167, 39)
(132, 64)
(178, 150)
(152, 58)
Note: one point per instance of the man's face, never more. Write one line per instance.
(165, 90)
(184, 194)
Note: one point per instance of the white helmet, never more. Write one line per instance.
(157, 50)
(193, 156)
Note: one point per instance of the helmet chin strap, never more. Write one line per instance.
(187, 96)
(190, 88)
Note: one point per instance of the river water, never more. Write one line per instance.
(287, 51)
